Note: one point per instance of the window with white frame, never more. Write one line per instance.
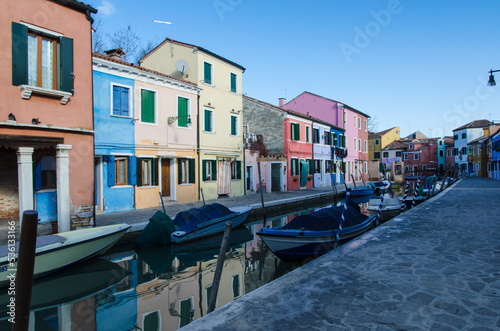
(355, 143)
(366, 125)
(359, 145)
(186, 171)
(120, 100)
(209, 170)
(354, 121)
(366, 146)
(234, 125)
(207, 73)
(415, 156)
(406, 156)
(209, 120)
(359, 123)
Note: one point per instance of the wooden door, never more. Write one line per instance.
(165, 177)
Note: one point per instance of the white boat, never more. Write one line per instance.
(57, 251)
(391, 207)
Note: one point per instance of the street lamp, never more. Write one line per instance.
(491, 80)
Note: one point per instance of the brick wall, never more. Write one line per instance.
(9, 196)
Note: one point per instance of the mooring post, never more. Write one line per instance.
(339, 231)
(334, 185)
(220, 266)
(261, 197)
(162, 204)
(380, 208)
(403, 204)
(202, 196)
(25, 268)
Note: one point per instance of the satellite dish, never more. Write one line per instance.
(181, 65)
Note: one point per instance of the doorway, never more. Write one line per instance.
(165, 178)
(249, 178)
(275, 177)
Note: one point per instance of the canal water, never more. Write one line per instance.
(161, 288)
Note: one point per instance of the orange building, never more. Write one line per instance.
(46, 124)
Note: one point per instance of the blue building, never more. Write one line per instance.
(326, 140)
(495, 155)
(115, 163)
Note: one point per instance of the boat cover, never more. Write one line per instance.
(188, 220)
(327, 219)
(157, 232)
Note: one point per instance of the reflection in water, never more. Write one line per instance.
(159, 288)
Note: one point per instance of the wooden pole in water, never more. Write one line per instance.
(25, 267)
(403, 204)
(334, 185)
(220, 266)
(162, 204)
(261, 197)
(353, 181)
(380, 207)
(339, 231)
(202, 196)
(342, 175)
(362, 179)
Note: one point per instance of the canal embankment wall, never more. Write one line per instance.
(434, 267)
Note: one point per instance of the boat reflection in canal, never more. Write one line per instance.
(159, 288)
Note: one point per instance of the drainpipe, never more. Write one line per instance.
(198, 145)
(91, 20)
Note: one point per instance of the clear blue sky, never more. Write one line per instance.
(421, 65)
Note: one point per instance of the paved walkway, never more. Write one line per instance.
(435, 267)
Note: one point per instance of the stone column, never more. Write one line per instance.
(25, 179)
(63, 197)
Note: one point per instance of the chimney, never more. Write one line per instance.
(282, 102)
(115, 53)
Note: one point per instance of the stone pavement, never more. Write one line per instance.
(435, 267)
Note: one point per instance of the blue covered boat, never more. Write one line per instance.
(315, 234)
(206, 220)
(362, 194)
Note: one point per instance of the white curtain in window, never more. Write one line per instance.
(32, 60)
(47, 63)
(224, 177)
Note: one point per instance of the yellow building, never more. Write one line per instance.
(220, 123)
(377, 141)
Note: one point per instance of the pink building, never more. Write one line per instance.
(420, 156)
(46, 125)
(298, 150)
(353, 121)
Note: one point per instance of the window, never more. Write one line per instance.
(317, 166)
(209, 120)
(151, 321)
(355, 144)
(233, 82)
(342, 141)
(359, 123)
(377, 142)
(310, 163)
(308, 133)
(398, 154)
(236, 286)
(234, 125)
(376, 155)
(147, 171)
(183, 112)
(424, 167)
(209, 170)
(315, 136)
(464, 150)
(415, 168)
(121, 171)
(207, 73)
(385, 154)
(415, 156)
(440, 143)
(407, 157)
(295, 131)
(148, 106)
(407, 168)
(41, 59)
(410, 146)
(359, 145)
(326, 138)
(335, 141)
(186, 306)
(295, 167)
(366, 126)
(441, 153)
(236, 169)
(186, 171)
(455, 137)
(464, 135)
(354, 121)
(45, 173)
(366, 146)
(471, 150)
(366, 168)
(447, 153)
(120, 101)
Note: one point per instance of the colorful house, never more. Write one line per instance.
(420, 156)
(477, 156)
(462, 136)
(144, 149)
(495, 155)
(328, 150)
(298, 150)
(220, 130)
(379, 140)
(354, 122)
(46, 125)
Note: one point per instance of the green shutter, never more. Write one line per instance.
(297, 131)
(214, 169)
(233, 83)
(139, 171)
(238, 169)
(208, 128)
(207, 67)
(19, 54)
(192, 172)
(154, 172)
(67, 74)
(179, 171)
(182, 112)
(151, 321)
(147, 106)
(204, 170)
(185, 313)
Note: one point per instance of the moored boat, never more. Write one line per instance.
(391, 207)
(316, 233)
(361, 194)
(57, 251)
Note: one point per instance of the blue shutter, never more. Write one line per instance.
(38, 177)
(124, 101)
(132, 170)
(116, 100)
(111, 170)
